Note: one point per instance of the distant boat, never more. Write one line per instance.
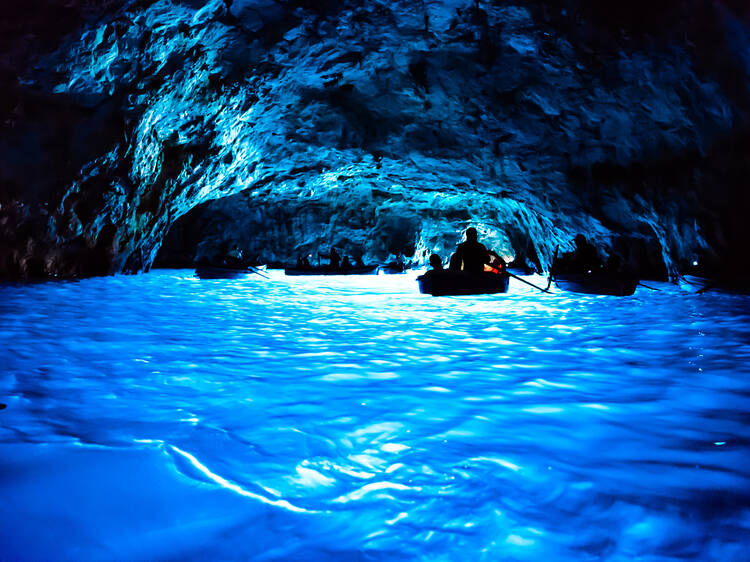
(702, 285)
(448, 282)
(393, 268)
(581, 271)
(597, 283)
(216, 272)
(361, 270)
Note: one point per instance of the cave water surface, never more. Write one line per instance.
(163, 417)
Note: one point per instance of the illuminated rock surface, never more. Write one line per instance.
(382, 127)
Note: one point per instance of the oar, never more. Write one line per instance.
(554, 258)
(498, 271)
(524, 281)
(255, 270)
(706, 288)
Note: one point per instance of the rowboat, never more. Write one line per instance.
(695, 284)
(447, 282)
(362, 270)
(596, 283)
(215, 272)
(393, 268)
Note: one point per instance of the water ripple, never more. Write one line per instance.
(357, 419)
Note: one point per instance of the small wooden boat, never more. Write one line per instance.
(700, 285)
(393, 268)
(446, 282)
(361, 270)
(693, 283)
(217, 272)
(596, 283)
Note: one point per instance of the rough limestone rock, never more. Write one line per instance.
(179, 128)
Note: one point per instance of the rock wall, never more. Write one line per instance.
(383, 127)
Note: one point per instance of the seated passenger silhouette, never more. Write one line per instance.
(345, 263)
(471, 254)
(234, 257)
(436, 263)
(497, 263)
(335, 258)
(585, 254)
(455, 262)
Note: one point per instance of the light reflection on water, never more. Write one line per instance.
(161, 416)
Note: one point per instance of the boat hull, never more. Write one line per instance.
(210, 272)
(596, 284)
(702, 285)
(452, 283)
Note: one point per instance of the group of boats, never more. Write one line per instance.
(579, 271)
(353, 270)
(448, 282)
(224, 272)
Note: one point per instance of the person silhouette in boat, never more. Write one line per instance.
(497, 263)
(454, 264)
(471, 255)
(345, 263)
(436, 263)
(585, 255)
(234, 257)
(335, 259)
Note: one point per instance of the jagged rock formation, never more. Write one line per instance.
(383, 127)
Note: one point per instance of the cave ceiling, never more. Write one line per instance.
(144, 129)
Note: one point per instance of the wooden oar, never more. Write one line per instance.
(524, 281)
(255, 270)
(554, 258)
(499, 272)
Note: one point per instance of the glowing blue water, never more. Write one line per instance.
(163, 417)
